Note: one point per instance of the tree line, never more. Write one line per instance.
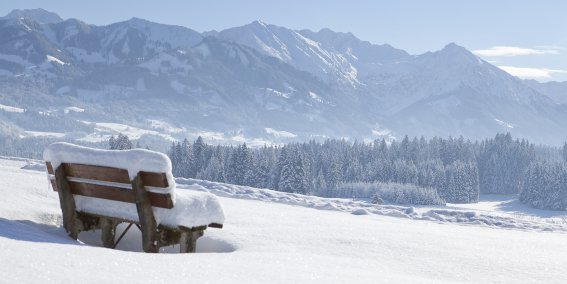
(413, 171)
(457, 169)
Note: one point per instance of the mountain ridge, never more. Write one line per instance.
(244, 80)
(39, 15)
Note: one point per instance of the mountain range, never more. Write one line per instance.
(258, 83)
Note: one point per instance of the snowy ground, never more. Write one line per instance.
(493, 211)
(103, 130)
(272, 237)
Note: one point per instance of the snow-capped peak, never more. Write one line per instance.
(453, 46)
(258, 23)
(294, 48)
(456, 51)
(38, 15)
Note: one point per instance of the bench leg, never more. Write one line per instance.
(71, 222)
(108, 232)
(188, 241)
(146, 216)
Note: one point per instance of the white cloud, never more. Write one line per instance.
(497, 51)
(531, 73)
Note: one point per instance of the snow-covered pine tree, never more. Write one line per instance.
(112, 143)
(186, 162)
(502, 163)
(472, 182)
(534, 183)
(122, 142)
(376, 199)
(214, 171)
(320, 185)
(199, 153)
(462, 183)
(333, 173)
(293, 177)
(259, 173)
(176, 154)
(238, 165)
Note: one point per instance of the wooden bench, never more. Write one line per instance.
(72, 179)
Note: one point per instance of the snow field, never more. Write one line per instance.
(44, 134)
(131, 131)
(270, 242)
(55, 60)
(11, 108)
(470, 214)
(73, 109)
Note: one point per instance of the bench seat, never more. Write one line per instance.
(191, 209)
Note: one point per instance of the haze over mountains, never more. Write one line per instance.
(257, 83)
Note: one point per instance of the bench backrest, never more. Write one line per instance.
(111, 183)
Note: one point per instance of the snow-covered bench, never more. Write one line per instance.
(99, 189)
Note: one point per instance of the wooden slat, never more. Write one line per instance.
(160, 200)
(96, 173)
(154, 179)
(53, 184)
(49, 168)
(118, 194)
(157, 199)
(113, 174)
(109, 174)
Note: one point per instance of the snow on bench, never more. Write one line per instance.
(103, 188)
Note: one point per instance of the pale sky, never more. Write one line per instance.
(525, 38)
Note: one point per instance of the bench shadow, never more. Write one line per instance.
(29, 231)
